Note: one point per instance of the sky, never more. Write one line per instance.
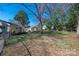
(8, 12)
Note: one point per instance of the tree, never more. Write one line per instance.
(51, 9)
(73, 17)
(75, 9)
(22, 17)
(39, 12)
(53, 18)
(62, 15)
(47, 24)
(56, 12)
(56, 22)
(72, 22)
(76, 12)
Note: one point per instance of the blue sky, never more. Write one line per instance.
(8, 11)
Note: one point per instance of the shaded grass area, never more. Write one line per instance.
(16, 38)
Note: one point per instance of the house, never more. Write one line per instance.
(44, 27)
(35, 28)
(11, 27)
(0, 27)
(27, 29)
(3, 26)
(16, 27)
(38, 28)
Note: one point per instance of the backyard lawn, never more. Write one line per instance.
(47, 44)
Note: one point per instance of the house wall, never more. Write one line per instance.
(0, 27)
(10, 28)
(14, 29)
(3, 27)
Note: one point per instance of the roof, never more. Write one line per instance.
(14, 22)
(17, 23)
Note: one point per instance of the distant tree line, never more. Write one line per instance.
(61, 16)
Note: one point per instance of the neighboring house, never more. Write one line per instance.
(44, 27)
(8, 28)
(35, 28)
(38, 28)
(3, 26)
(52, 28)
(11, 27)
(0, 27)
(16, 27)
(27, 29)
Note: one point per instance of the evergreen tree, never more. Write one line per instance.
(22, 17)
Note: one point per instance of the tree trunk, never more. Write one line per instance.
(78, 29)
(41, 25)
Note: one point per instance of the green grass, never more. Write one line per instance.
(15, 39)
(56, 33)
(62, 40)
(34, 35)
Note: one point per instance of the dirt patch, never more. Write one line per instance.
(46, 46)
(14, 50)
